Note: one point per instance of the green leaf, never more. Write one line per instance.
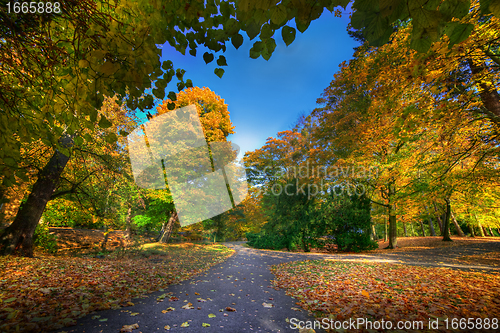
(104, 123)
(494, 7)
(219, 72)
(421, 43)
(221, 61)
(208, 57)
(123, 133)
(167, 65)
(288, 34)
(278, 14)
(232, 26)
(192, 52)
(252, 30)
(266, 31)
(458, 32)
(78, 141)
(171, 106)
(237, 40)
(172, 96)
(302, 26)
(189, 83)
(454, 8)
(111, 138)
(93, 115)
(108, 68)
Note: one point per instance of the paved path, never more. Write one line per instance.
(243, 284)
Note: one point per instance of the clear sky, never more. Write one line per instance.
(265, 97)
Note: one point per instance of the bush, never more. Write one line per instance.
(266, 241)
(43, 239)
(350, 223)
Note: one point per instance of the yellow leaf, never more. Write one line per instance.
(167, 327)
(365, 293)
(185, 324)
(205, 325)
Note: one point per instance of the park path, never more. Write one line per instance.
(243, 283)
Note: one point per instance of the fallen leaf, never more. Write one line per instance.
(188, 306)
(230, 309)
(267, 305)
(205, 325)
(211, 315)
(185, 324)
(168, 309)
(129, 328)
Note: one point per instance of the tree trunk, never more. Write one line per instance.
(106, 237)
(393, 226)
(480, 227)
(438, 219)
(471, 228)
(169, 227)
(374, 232)
(423, 229)
(128, 231)
(18, 237)
(431, 226)
(446, 235)
(457, 226)
(404, 228)
(412, 230)
(385, 231)
(488, 93)
(485, 233)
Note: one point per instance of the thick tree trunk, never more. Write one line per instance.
(457, 226)
(488, 93)
(167, 231)
(393, 231)
(446, 234)
(18, 237)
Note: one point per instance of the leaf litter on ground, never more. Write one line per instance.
(47, 292)
(341, 291)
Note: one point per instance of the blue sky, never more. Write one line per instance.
(265, 97)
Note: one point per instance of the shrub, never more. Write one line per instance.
(267, 241)
(43, 239)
